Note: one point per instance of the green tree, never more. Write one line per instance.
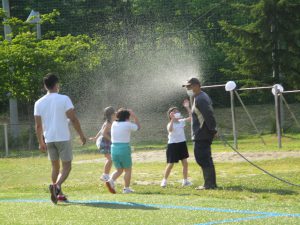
(265, 47)
(25, 60)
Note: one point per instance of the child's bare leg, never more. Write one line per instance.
(117, 173)
(168, 170)
(108, 164)
(127, 177)
(184, 168)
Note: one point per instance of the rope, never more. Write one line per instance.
(253, 164)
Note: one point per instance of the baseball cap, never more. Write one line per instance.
(192, 81)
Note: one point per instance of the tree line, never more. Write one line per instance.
(254, 42)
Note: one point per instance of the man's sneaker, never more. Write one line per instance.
(104, 177)
(163, 183)
(111, 186)
(186, 183)
(206, 187)
(62, 198)
(127, 191)
(53, 192)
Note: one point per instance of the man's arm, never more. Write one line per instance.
(39, 133)
(75, 122)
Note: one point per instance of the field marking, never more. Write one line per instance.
(236, 220)
(260, 214)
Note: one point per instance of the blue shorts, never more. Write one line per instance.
(121, 155)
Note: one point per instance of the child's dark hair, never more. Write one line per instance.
(50, 80)
(122, 115)
(171, 110)
(108, 112)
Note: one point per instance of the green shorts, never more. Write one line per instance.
(60, 150)
(121, 155)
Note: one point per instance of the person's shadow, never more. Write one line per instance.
(110, 205)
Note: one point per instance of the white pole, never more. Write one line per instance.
(213, 86)
(6, 139)
(254, 88)
(38, 31)
(234, 131)
(7, 29)
(277, 113)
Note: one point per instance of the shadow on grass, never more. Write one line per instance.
(260, 190)
(110, 205)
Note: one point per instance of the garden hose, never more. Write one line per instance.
(223, 139)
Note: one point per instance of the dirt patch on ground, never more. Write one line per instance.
(160, 156)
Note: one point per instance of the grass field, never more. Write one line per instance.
(245, 194)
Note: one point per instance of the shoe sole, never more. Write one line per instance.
(110, 188)
(52, 190)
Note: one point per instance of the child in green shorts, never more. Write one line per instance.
(120, 148)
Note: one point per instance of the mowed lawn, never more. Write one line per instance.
(245, 194)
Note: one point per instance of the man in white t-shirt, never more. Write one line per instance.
(52, 114)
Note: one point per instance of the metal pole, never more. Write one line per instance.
(234, 131)
(7, 29)
(254, 88)
(213, 86)
(250, 118)
(277, 113)
(6, 139)
(13, 104)
(38, 31)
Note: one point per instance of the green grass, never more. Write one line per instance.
(250, 143)
(242, 187)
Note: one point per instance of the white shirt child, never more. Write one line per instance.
(177, 135)
(120, 131)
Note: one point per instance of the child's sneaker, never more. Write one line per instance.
(111, 186)
(127, 191)
(186, 183)
(163, 183)
(104, 177)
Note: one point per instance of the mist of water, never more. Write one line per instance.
(149, 83)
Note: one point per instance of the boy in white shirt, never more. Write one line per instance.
(177, 147)
(52, 114)
(120, 148)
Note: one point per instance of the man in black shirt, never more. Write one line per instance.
(203, 131)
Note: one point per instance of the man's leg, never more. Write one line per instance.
(202, 151)
(66, 169)
(55, 170)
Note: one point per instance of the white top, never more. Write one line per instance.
(52, 108)
(120, 131)
(177, 135)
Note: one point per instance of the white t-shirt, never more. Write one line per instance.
(52, 108)
(177, 135)
(120, 131)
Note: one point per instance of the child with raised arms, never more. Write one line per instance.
(177, 147)
(120, 148)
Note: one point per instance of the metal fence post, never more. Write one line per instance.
(6, 139)
(234, 131)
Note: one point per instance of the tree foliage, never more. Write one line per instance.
(25, 60)
(265, 47)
